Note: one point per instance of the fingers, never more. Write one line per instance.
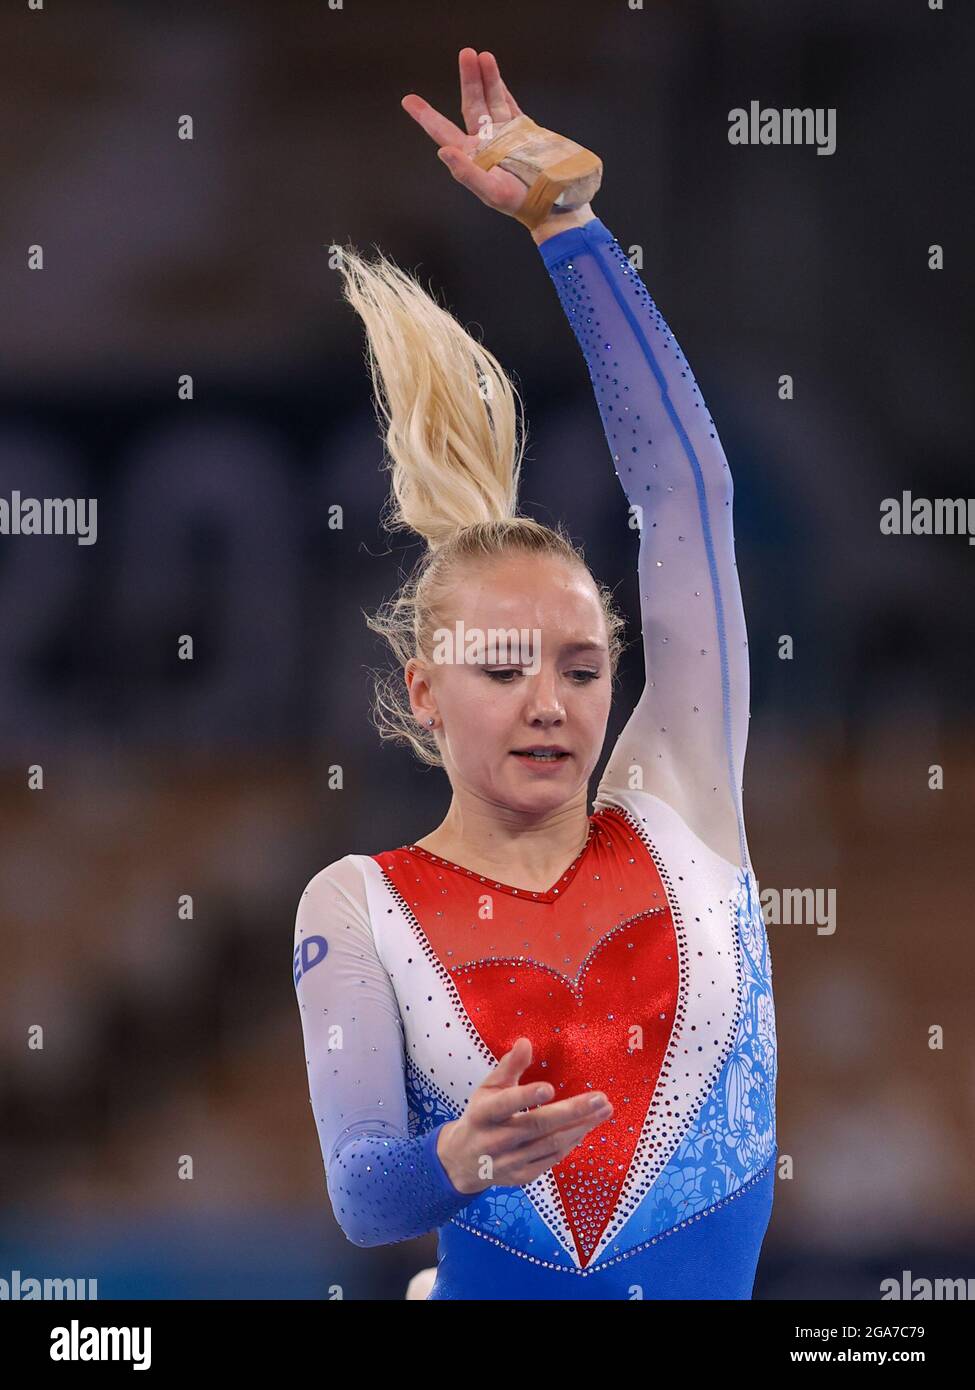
(532, 1161)
(483, 93)
(493, 186)
(587, 1110)
(498, 1106)
(552, 1149)
(486, 102)
(507, 1106)
(438, 127)
(494, 89)
(511, 1065)
(472, 101)
(512, 104)
(521, 1158)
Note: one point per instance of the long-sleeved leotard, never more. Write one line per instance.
(643, 972)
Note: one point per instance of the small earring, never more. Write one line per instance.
(430, 722)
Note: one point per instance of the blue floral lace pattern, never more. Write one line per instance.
(733, 1136)
(427, 1106)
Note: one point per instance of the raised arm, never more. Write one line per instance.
(384, 1186)
(685, 741)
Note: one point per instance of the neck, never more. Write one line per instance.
(529, 852)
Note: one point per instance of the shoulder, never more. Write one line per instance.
(338, 888)
(342, 876)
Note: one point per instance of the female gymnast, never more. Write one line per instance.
(547, 1033)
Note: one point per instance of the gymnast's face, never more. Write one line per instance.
(494, 698)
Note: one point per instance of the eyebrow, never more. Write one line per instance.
(569, 649)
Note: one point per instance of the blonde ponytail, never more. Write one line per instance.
(455, 439)
(453, 421)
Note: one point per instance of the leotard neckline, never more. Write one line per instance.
(549, 895)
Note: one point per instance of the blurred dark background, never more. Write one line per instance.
(166, 1037)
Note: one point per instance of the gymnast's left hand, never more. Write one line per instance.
(485, 103)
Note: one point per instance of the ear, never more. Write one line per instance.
(422, 703)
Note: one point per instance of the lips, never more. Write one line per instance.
(542, 753)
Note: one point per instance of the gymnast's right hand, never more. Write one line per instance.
(496, 1135)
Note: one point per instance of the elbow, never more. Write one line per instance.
(359, 1220)
(376, 1195)
(366, 1234)
(357, 1234)
(352, 1218)
(366, 1227)
(355, 1226)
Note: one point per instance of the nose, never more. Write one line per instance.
(543, 706)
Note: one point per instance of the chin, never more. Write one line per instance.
(542, 796)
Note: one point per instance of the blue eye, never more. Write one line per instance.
(584, 677)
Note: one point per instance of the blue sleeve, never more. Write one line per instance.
(384, 1186)
(685, 741)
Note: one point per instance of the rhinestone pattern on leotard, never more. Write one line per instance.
(594, 1190)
